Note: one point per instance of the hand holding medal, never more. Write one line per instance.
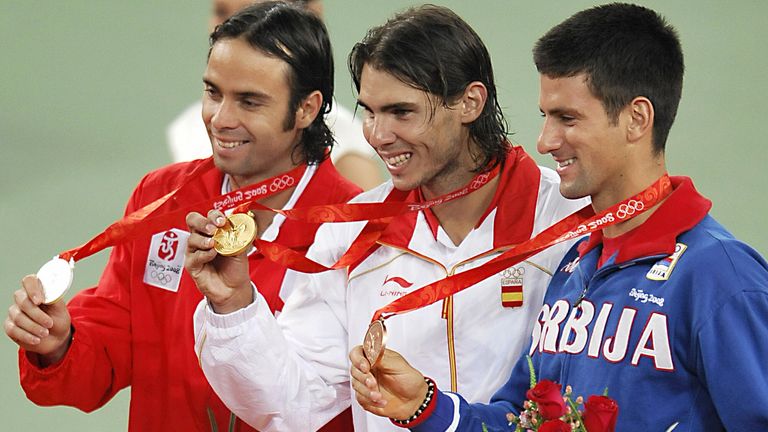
(216, 258)
(237, 235)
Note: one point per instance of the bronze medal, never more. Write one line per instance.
(236, 236)
(375, 341)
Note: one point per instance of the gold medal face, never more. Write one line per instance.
(236, 236)
(375, 341)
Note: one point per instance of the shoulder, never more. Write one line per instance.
(169, 176)
(713, 253)
(162, 181)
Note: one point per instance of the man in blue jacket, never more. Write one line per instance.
(666, 310)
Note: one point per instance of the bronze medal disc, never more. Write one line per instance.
(375, 341)
(235, 237)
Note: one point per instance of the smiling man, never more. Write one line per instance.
(667, 310)
(426, 88)
(268, 84)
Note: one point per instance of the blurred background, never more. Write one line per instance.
(87, 89)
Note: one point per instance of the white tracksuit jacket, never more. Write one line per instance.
(292, 373)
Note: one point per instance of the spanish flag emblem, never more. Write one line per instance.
(512, 296)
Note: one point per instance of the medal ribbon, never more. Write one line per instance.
(142, 222)
(378, 214)
(579, 223)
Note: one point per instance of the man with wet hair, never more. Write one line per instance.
(428, 99)
(666, 310)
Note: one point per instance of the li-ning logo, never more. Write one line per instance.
(398, 280)
(629, 209)
(281, 183)
(169, 246)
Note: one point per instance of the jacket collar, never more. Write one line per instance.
(514, 200)
(681, 211)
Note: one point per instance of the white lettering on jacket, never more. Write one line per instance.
(612, 344)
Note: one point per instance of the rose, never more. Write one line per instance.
(548, 398)
(600, 413)
(556, 425)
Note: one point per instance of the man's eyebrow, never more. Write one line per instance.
(243, 94)
(397, 106)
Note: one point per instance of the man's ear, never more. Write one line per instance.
(308, 109)
(473, 101)
(641, 118)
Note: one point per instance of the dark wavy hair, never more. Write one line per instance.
(299, 38)
(625, 51)
(432, 49)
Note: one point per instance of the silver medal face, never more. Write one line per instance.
(56, 277)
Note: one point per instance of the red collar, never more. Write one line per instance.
(680, 212)
(515, 203)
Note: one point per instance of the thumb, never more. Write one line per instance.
(60, 316)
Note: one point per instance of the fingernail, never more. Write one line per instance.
(43, 332)
(36, 300)
(210, 229)
(219, 220)
(209, 242)
(34, 341)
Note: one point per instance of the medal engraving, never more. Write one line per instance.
(56, 277)
(236, 236)
(375, 341)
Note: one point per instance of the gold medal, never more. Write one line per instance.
(375, 341)
(236, 236)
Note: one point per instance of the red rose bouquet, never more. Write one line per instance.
(549, 410)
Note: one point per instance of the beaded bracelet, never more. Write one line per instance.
(420, 410)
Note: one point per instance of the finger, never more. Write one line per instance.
(365, 396)
(198, 223)
(33, 289)
(26, 306)
(196, 260)
(197, 242)
(25, 323)
(217, 218)
(22, 338)
(364, 378)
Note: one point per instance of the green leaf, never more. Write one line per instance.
(531, 370)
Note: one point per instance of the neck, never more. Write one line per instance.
(276, 201)
(624, 227)
(460, 216)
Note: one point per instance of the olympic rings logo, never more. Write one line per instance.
(161, 277)
(281, 183)
(479, 181)
(629, 209)
(513, 272)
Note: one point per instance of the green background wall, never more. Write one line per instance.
(87, 88)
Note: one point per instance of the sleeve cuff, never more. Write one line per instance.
(232, 323)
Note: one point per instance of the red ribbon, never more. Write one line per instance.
(579, 223)
(142, 222)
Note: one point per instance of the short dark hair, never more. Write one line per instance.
(298, 37)
(625, 51)
(432, 49)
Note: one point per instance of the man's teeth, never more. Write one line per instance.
(229, 144)
(565, 163)
(399, 159)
